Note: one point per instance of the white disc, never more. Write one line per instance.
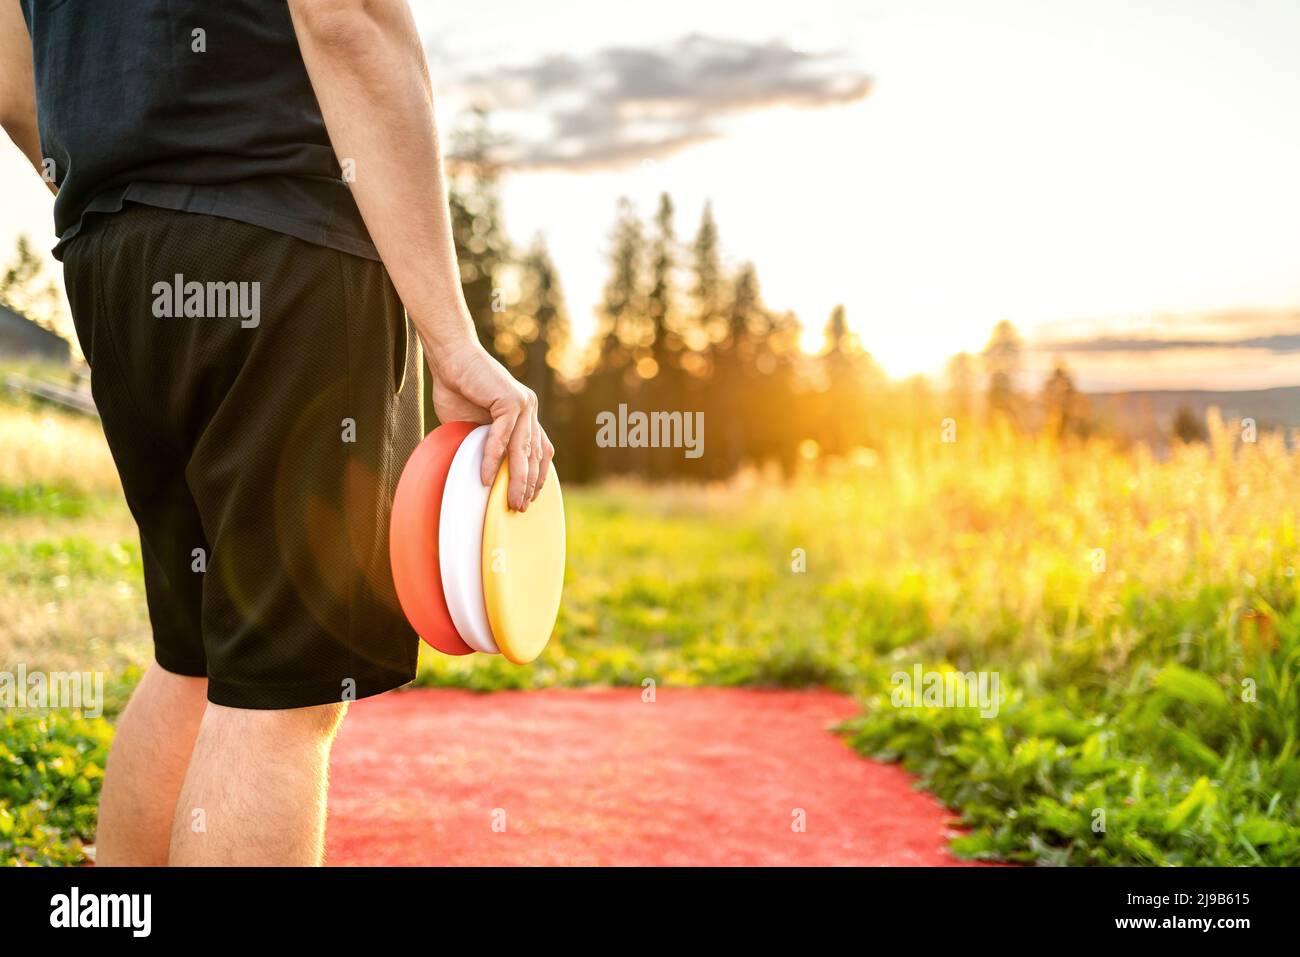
(460, 543)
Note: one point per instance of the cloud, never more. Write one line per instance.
(1278, 343)
(623, 104)
(1271, 330)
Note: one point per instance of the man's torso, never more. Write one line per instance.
(188, 105)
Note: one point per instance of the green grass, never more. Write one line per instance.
(40, 499)
(1150, 709)
(655, 591)
(58, 561)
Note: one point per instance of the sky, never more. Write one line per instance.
(1096, 172)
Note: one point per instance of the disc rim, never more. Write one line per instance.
(414, 546)
(460, 543)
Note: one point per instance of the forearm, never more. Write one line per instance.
(17, 89)
(368, 71)
(26, 137)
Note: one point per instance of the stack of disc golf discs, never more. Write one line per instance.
(472, 574)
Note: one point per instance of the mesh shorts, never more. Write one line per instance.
(260, 396)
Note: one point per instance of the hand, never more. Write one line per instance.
(470, 386)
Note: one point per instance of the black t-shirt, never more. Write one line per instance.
(196, 105)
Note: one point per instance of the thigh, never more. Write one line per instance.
(150, 467)
(295, 415)
(294, 472)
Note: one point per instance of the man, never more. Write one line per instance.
(249, 204)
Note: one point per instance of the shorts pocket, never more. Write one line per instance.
(401, 345)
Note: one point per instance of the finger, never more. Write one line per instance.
(534, 457)
(494, 450)
(520, 440)
(534, 464)
(544, 467)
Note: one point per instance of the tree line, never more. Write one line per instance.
(680, 331)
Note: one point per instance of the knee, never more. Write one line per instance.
(170, 692)
(180, 685)
(324, 719)
(318, 723)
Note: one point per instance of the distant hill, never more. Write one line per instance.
(1270, 408)
(20, 338)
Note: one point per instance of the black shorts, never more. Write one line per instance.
(259, 422)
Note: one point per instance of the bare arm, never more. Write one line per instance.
(369, 74)
(17, 93)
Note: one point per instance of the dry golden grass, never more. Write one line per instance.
(54, 449)
(72, 595)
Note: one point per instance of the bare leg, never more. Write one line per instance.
(256, 787)
(146, 766)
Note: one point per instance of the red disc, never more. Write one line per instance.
(413, 537)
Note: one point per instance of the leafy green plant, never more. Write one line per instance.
(51, 767)
(1165, 766)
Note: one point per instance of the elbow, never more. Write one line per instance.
(10, 116)
(19, 125)
(338, 25)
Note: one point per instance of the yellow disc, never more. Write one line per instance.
(523, 567)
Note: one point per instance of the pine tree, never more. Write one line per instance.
(854, 388)
(660, 302)
(1002, 366)
(542, 323)
(611, 378)
(1064, 408)
(1188, 426)
(482, 247)
(735, 389)
(840, 400)
(707, 326)
(623, 295)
